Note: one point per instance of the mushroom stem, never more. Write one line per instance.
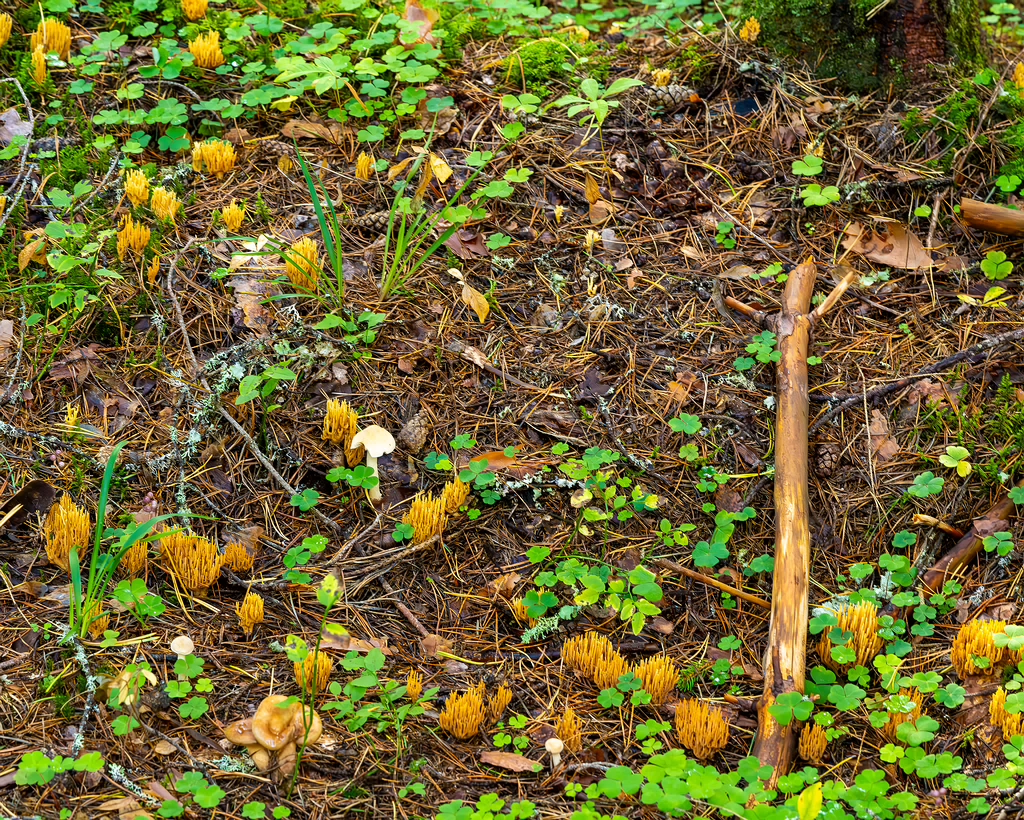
(373, 493)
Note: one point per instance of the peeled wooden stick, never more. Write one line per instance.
(785, 656)
(992, 218)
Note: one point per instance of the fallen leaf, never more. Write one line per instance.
(883, 446)
(303, 129)
(467, 244)
(442, 171)
(163, 747)
(679, 390)
(250, 294)
(346, 643)
(423, 23)
(34, 251)
(593, 190)
(503, 586)
(511, 762)
(11, 126)
(6, 339)
(75, 366)
(894, 245)
(433, 645)
(593, 387)
(477, 301)
(496, 460)
(601, 211)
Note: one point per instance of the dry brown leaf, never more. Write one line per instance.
(477, 301)
(6, 339)
(11, 126)
(424, 20)
(302, 129)
(511, 762)
(398, 167)
(592, 189)
(34, 251)
(164, 747)
(250, 293)
(601, 211)
(894, 245)
(503, 586)
(433, 645)
(467, 243)
(496, 460)
(346, 643)
(883, 446)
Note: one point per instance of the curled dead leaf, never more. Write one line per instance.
(511, 762)
(893, 245)
(477, 301)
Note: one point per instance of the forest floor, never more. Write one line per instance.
(580, 360)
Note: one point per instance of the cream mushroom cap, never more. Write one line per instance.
(273, 725)
(375, 439)
(182, 646)
(554, 747)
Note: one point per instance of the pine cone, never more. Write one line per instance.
(826, 458)
(671, 97)
(374, 221)
(413, 434)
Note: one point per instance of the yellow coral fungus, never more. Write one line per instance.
(902, 707)
(194, 9)
(569, 730)
(165, 204)
(974, 650)
(206, 50)
(6, 22)
(39, 65)
(215, 157)
(701, 728)
(132, 237)
(861, 621)
(659, 676)
(593, 655)
(233, 215)
(414, 685)
(464, 714)
(250, 612)
(67, 525)
(751, 30)
(53, 37)
(193, 561)
(1010, 724)
(238, 558)
(498, 703)
(135, 561)
(813, 742)
(98, 620)
(341, 423)
(136, 187)
(662, 77)
(426, 516)
(454, 495)
(364, 166)
(314, 673)
(302, 264)
(1018, 75)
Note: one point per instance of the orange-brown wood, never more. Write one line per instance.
(992, 218)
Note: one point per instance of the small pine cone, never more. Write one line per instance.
(827, 458)
(671, 98)
(375, 221)
(413, 434)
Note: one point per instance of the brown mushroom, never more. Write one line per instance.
(259, 755)
(286, 760)
(273, 723)
(240, 732)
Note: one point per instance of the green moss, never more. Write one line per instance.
(537, 62)
(695, 64)
(71, 165)
(914, 125)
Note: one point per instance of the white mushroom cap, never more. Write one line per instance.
(375, 439)
(182, 646)
(553, 746)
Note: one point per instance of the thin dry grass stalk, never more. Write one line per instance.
(314, 673)
(593, 656)
(194, 562)
(569, 730)
(53, 37)
(426, 516)
(975, 641)
(250, 612)
(67, 525)
(464, 714)
(659, 676)
(862, 621)
(701, 728)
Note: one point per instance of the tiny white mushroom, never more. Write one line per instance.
(553, 746)
(377, 442)
(182, 646)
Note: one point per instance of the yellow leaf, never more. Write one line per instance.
(963, 469)
(440, 168)
(32, 252)
(808, 805)
(476, 300)
(593, 190)
(398, 167)
(283, 103)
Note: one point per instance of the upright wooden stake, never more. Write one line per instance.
(785, 656)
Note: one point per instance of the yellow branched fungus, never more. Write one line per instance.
(1010, 725)
(662, 77)
(341, 423)
(67, 525)
(302, 264)
(135, 560)
(498, 703)
(154, 270)
(519, 611)
(454, 495)
(593, 655)
(659, 676)
(165, 204)
(701, 728)
(39, 65)
(136, 187)
(98, 620)
(569, 730)
(215, 157)
(206, 50)
(464, 714)
(751, 30)
(813, 742)
(976, 641)
(194, 9)
(132, 237)
(1018, 74)
(364, 166)
(902, 707)
(193, 561)
(414, 685)
(314, 673)
(426, 516)
(233, 216)
(6, 21)
(53, 37)
(862, 621)
(238, 558)
(250, 612)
